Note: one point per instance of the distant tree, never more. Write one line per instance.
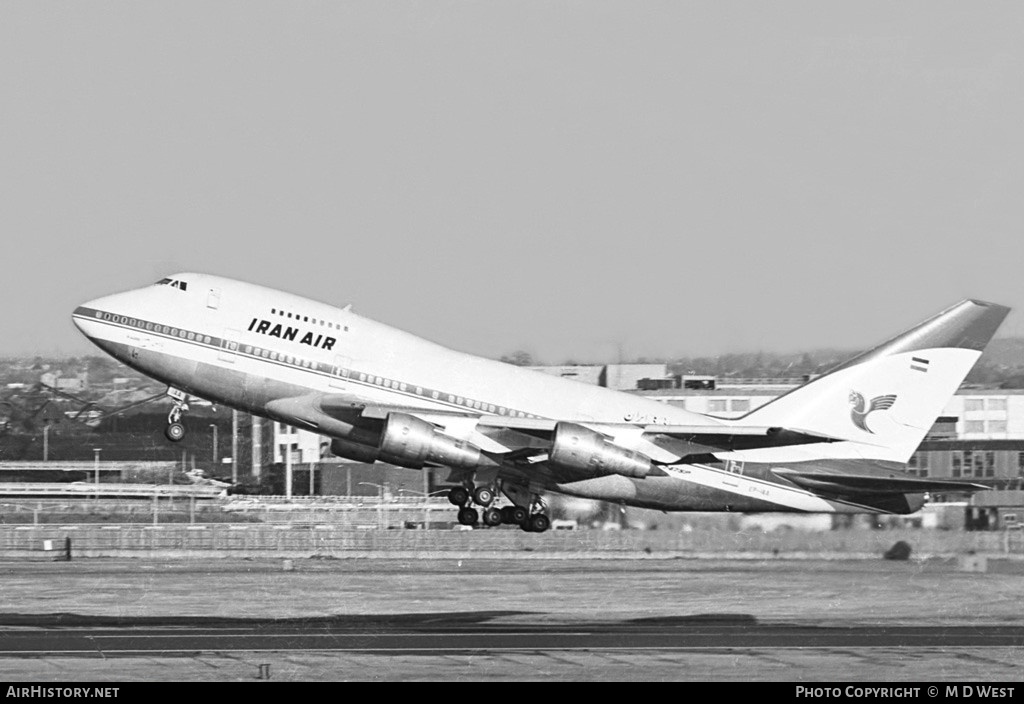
(1013, 382)
(519, 358)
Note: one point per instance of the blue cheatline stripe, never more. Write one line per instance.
(263, 354)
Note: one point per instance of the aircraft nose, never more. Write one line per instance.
(89, 316)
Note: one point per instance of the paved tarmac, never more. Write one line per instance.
(385, 619)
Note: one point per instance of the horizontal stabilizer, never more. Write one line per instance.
(861, 484)
(737, 437)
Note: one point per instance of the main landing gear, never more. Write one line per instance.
(175, 429)
(533, 521)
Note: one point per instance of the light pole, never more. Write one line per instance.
(234, 446)
(288, 469)
(214, 468)
(96, 469)
(426, 498)
(380, 502)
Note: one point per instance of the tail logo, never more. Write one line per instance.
(861, 410)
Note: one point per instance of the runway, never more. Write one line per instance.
(462, 633)
(393, 620)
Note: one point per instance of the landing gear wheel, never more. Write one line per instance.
(458, 496)
(492, 517)
(483, 496)
(539, 523)
(508, 515)
(468, 516)
(174, 432)
(519, 515)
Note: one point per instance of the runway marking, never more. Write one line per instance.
(490, 650)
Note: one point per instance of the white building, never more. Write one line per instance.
(626, 377)
(586, 373)
(305, 446)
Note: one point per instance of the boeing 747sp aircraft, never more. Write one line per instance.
(837, 444)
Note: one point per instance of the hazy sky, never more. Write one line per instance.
(577, 179)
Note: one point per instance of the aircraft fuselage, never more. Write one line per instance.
(265, 351)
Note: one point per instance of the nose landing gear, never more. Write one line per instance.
(175, 430)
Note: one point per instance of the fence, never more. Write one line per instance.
(290, 540)
(107, 490)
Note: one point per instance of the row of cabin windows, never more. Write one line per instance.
(278, 357)
(307, 319)
(387, 383)
(175, 332)
(451, 398)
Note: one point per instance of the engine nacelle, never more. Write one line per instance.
(411, 442)
(355, 451)
(585, 450)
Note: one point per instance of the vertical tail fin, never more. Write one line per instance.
(887, 399)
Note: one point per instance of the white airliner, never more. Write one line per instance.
(837, 444)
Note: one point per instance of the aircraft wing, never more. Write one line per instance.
(509, 431)
(332, 414)
(720, 437)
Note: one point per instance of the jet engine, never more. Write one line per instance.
(584, 450)
(411, 442)
(354, 451)
(408, 441)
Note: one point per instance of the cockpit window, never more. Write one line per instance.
(173, 283)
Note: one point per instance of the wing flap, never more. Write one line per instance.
(721, 437)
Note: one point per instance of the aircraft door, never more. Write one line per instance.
(340, 371)
(229, 346)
